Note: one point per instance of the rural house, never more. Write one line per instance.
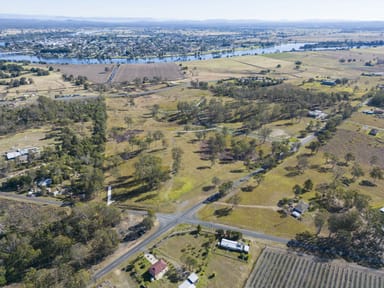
(19, 153)
(299, 209)
(158, 269)
(233, 245)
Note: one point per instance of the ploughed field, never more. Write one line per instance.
(163, 71)
(110, 73)
(277, 268)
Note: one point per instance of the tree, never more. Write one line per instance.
(198, 229)
(349, 157)
(314, 146)
(320, 219)
(128, 121)
(308, 185)
(225, 187)
(176, 156)
(302, 163)
(356, 171)
(148, 169)
(155, 110)
(259, 177)
(264, 133)
(376, 173)
(297, 189)
(235, 200)
(215, 180)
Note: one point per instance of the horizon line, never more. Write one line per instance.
(132, 19)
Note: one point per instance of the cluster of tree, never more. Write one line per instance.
(75, 157)
(254, 82)
(17, 82)
(377, 99)
(199, 84)
(355, 230)
(59, 50)
(342, 44)
(255, 106)
(149, 171)
(56, 254)
(286, 94)
(40, 72)
(10, 70)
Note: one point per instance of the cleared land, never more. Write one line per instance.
(163, 71)
(277, 268)
(96, 73)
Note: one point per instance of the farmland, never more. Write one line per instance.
(162, 71)
(100, 73)
(277, 268)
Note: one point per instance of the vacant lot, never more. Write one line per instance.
(277, 268)
(163, 71)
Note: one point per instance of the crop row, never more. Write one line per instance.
(276, 269)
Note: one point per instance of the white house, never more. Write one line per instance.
(233, 245)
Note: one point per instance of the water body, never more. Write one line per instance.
(2, 44)
(35, 59)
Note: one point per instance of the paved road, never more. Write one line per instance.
(169, 221)
(37, 200)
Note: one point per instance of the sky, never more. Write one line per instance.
(291, 10)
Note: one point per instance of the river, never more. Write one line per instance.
(16, 56)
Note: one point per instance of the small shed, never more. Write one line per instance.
(186, 284)
(373, 132)
(193, 278)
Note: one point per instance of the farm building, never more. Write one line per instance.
(17, 154)
(233, 245)
(373, 132)
(328, 83)
(158, 269)
(299, 209)
(318, 114)
(190, 282)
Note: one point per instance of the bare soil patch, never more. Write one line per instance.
(164, 71)
(96, 73)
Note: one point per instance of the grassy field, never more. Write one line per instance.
(277, 268)
(42, 85)
(195, 174)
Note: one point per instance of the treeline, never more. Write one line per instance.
(43, 111)
(377, 99)
(57, 254)
(254, 106)
(285, 94)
